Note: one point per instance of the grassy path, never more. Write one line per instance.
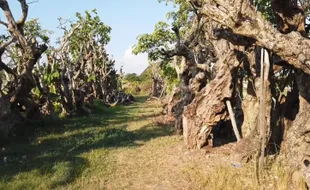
(95, 152)
(122, 147)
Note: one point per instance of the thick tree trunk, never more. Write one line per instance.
(297, 138)
(8, 118)
(250, 103)
(208, 107)
(290, 44)
(296, 147)
(250, 107)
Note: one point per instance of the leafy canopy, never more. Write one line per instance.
(163, 37)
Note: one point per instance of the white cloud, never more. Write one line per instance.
(133, 63)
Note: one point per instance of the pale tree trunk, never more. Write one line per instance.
(264, 112)
(233, 120)
(250, 103)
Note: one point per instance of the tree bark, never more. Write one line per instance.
(208, 107)
(297, 139)
(241, 17)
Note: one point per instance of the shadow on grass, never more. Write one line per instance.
(65, 141)
(103, 116)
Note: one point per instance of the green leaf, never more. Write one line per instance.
(52, 88)
(91, 78)
(36, 92)
(55, 75)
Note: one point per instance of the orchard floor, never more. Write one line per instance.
(122, 147)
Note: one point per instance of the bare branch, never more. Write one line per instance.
(35, 1)
(4, 23)
(195, 7)
(203, 67)
(7, 69)
(5, 45)
(24, 7)
(65, 39)
(12, 26)
(233, 120)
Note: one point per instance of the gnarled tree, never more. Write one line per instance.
(233, 34)
(16, 97)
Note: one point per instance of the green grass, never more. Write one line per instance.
(68, 151)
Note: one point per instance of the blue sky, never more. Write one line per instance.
(128, 18)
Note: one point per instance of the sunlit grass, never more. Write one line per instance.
(78, 150)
